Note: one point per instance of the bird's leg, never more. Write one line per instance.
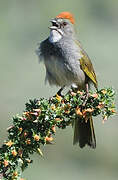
(87, 94)
(60, 90)
(58, 93)
(87, 91)
(74, 88)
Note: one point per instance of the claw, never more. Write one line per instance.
(60, 90)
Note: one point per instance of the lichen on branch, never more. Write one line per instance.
(37, 125)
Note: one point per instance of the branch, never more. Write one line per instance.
(36, 126)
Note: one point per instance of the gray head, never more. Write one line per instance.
(62, 26)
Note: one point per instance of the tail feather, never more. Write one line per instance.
(84, 133)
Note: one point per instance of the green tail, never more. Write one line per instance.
(84, 133)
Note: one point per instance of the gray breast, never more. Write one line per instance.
(62, 63)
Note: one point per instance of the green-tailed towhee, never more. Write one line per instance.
(68, 64)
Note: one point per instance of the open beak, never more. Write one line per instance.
(53, 28)
(53, 20)
(55, 25)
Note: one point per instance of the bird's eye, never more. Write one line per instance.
(64, 23)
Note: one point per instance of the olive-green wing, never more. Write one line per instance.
(87, 66)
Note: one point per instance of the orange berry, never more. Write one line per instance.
(36, 137)
(28, 141)
(89, 110)
(28, 160)
(80, 92)
(113, 111)
(20, 129)
(14, 153)
(101, 105)
(95, 95)
(53, 129)
(53, 107)
(58, 119)
(6, 163)
(78, 111)
(63, 102)
(9, 143)
(49, 139)
(15, 174)
(104, 91)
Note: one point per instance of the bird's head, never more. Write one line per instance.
(62, 25)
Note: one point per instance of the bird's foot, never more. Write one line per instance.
(86, 95)
(85, 98)
(59, 93)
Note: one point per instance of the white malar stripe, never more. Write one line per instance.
(55, 36)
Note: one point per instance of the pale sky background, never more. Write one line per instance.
(23, 24)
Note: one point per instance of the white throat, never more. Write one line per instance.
(55, 36)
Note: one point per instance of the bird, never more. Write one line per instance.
(67, 64)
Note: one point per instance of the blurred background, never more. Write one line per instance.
(23, 24)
